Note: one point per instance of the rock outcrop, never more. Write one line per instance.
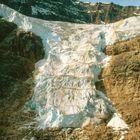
(73, 10)
(19, 50)
(22, 43)
(6, 28)
(121, 82)
(16, 67)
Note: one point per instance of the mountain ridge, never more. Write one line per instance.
(73, 10)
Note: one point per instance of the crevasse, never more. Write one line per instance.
(65, 94)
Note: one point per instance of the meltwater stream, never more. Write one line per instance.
(65, 94)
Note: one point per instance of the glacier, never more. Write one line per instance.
(65, 94)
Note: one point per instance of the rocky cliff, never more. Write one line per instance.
(121, 81)
(19, 50)
(72, 10)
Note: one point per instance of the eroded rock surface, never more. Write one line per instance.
(6, 28)
(22, 43)
(15, 76)
(121, 82)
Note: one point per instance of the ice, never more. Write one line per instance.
(117, 123)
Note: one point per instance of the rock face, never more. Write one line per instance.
(121, 82)
(72, 10)
(16, 70)
(6, 28)
(19, 51)
(25, 44)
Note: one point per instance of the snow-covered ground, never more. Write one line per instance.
(65, 94)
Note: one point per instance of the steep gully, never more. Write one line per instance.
(64, 39)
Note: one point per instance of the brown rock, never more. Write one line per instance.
(25, 44)
(18, 55)
(122, 83)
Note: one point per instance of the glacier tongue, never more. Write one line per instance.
(65, 94)
(65, 90)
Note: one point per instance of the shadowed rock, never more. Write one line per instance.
(25, 44)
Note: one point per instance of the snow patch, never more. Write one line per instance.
(117, 123)
(137, 14)
(106, 60)
(34, 10)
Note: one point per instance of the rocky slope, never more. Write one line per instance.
(72, 10)
(19, 50)
(121, 82)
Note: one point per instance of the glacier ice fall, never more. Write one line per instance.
(65, 94)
